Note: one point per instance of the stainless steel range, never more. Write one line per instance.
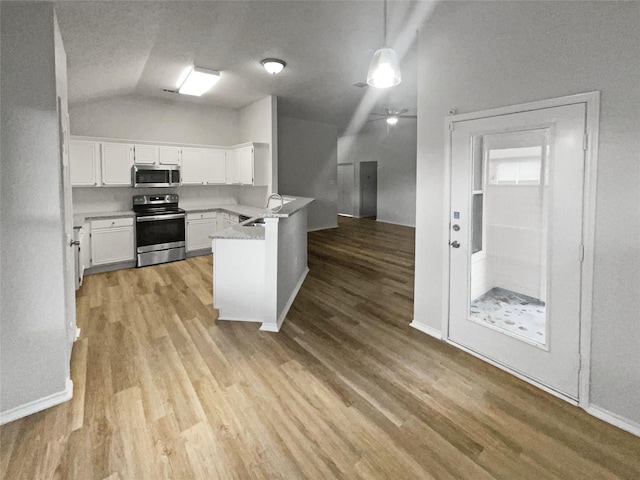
(160, 229)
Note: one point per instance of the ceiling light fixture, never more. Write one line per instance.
(384, 71)
(392, 120)
(198, 81)
(273, 65)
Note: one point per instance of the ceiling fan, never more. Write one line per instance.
(391, 115)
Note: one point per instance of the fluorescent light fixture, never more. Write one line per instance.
(199, 81)
(273, 65)
(392, 120)
(384, 71)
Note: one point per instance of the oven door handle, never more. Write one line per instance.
(160, 217)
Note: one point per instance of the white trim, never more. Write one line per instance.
(321, 228)
(515, 373)
(614, 419)
(426, 329)
(345, 215)
(38, 405)
(588, 241)
(587, 98)
(396, 223)
(270, 327)
(592, 101)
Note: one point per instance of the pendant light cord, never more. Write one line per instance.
(385, 22)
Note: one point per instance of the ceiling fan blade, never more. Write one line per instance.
(376, 119)
(379, 114)
(408, 116)
(400, 112)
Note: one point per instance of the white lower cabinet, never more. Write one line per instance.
(230, 219)
(112, 241)
(199, 227)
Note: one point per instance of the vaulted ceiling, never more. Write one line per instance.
(139, 48)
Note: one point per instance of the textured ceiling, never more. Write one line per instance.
(139, 48)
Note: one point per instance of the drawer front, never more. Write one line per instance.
(225, 215)
(202, 216)
(112, 222)
(234, 218)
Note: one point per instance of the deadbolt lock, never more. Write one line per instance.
(456, 228)
(455, 244)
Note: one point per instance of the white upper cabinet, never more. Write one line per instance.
(108, 163)
(117, 160)
(247, 165)
(145, 154)
(169, 155)
(84, 159)
(244, 159)
(203, 166)
(217, 167)
(193, 166)
(232, 167)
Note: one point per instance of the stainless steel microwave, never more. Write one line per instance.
(155, 175)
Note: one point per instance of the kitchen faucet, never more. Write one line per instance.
(275, 195)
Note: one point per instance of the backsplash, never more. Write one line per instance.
(115, 199)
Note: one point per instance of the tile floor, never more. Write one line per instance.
(514, 312)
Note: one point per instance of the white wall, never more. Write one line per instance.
(259, 123)
(34, 353)
(155, 119)
(395, 151)
(307, 167)
(481, 55)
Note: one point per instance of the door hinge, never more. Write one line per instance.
(581, 253)
(585, 141)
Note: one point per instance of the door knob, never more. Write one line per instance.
(74, 242)
(455, 244)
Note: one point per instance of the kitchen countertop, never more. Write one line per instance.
(240, 232)
(287, 210)
(79, 218)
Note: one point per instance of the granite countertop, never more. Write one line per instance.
(239, 232)
(288, 209)
(79, 218)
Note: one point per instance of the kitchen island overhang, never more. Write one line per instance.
(258, 270)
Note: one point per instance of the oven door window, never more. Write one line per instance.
(157, 232)
(152, 176)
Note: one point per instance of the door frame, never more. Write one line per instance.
(592, 101)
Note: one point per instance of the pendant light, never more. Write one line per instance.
(384, 71)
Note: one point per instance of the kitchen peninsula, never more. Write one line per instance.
(260, 264)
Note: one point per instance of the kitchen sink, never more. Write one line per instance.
(256, 222)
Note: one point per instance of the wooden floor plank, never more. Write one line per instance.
(345, 390)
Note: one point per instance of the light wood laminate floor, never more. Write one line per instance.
(346, 390)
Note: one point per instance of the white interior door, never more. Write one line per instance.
(517, 183)
(346, 182)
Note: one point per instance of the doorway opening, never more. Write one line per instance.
(368, 189)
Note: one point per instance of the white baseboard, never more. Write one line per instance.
(614, 419)
(434, 332)
(322, 228)
(37, 405)
(270, 327)
(395, 223)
